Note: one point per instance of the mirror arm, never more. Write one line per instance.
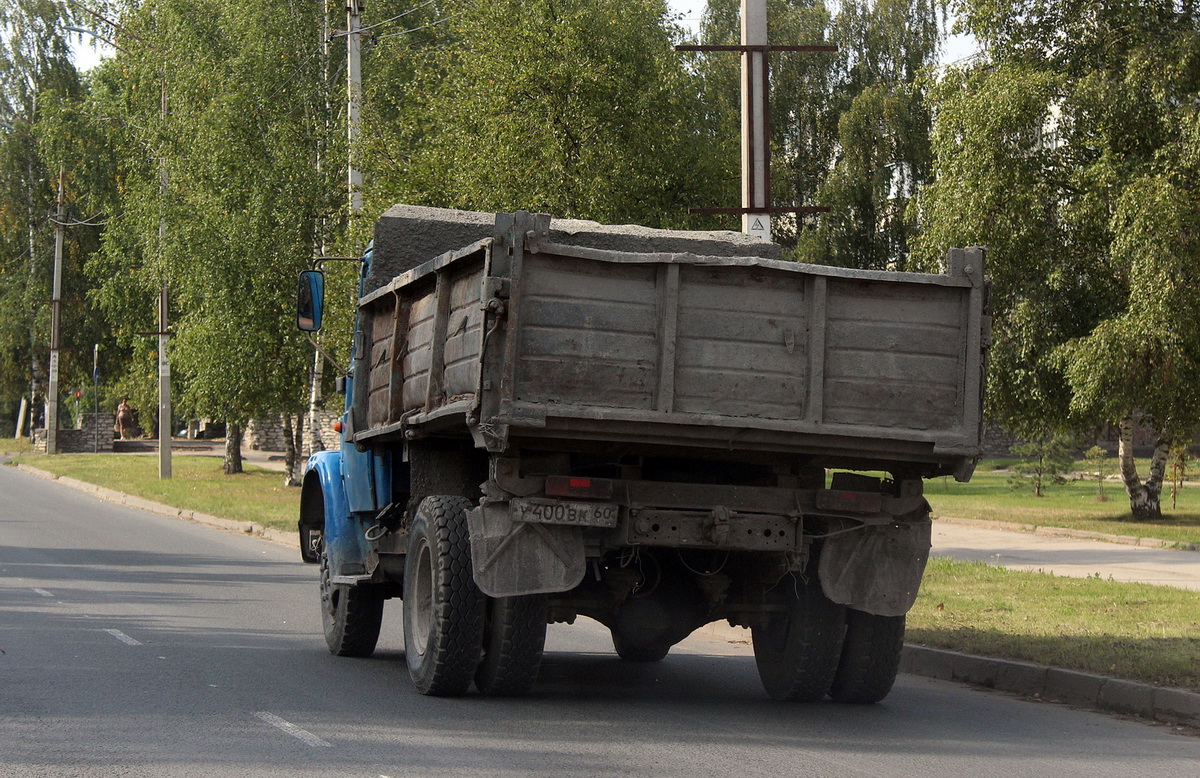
(332, 362)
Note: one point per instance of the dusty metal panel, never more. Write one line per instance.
(742, 344)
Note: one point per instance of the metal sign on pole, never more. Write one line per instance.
(756, 210)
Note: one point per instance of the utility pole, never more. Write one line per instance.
(756, 210)
(353, 96)
(756, 134)
(55, 324)
(314, 396)
(164, 362)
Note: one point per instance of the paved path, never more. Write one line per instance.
(1075, 558)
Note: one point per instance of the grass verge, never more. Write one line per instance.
(1072, 505)
(1137, 632)
(15, 446)
(197, 483)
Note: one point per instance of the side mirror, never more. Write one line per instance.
(310, 300)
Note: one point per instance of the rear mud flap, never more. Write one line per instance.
(511, 558)
(877, 569)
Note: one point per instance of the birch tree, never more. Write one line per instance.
(1070, 150)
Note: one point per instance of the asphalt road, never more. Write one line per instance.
(139, 645)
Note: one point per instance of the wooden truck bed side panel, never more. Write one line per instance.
(741, 341)
(715, 349)
(894, 355)
(434, 321)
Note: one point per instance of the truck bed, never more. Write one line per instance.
(527, 335)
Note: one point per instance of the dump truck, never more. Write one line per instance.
(547, 419)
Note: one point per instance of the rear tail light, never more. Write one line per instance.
(584, 488)
(849, 502)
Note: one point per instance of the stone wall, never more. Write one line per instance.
(95, 434)
(268, 434)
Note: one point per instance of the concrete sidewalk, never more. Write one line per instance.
(1070, 557)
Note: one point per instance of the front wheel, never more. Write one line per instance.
(870, 657)
(443, 608)
(351, 616)
(798, 650)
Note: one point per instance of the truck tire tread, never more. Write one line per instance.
(798, 651)
(447, 665)
(513, 643)
(352, 617)
(870, 658)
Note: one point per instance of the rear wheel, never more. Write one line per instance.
(351, 616)
(443, 608)
(514, 637)
(797, 652)
(870, 657)
(632, 652)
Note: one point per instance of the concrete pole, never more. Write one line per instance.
(55, 325)
(353, 96)
(756, 139)
(164, 363)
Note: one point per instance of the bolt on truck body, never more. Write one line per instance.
(549, 418)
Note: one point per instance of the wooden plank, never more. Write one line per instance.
(909, 338)
(435, 391)
(668, 282)
(400, 322)
(901, 368)
(817, 312)
(857, 301)
(973, 356)
(633, 258)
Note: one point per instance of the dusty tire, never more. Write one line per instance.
(351, 616)
(798, 651)
(443, 608)
(870, 658)
(631, 652)
(514, 637)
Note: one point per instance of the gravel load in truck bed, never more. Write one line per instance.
(408, 235)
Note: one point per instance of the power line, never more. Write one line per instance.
(414, 29)
(397, 16)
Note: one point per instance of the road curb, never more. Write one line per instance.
(1174, 706)
(1063, 532)
(128, 500)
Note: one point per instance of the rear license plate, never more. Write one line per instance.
(583, 514)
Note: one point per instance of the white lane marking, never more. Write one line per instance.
(42, 592)
(293, 730)
(121, 636)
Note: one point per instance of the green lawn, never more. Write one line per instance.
(1073, 505)
(1133, 631)
(198, 483)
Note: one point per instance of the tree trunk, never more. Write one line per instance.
(290, 436)
(314, 402)
(1144, 497)
(233, 448)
